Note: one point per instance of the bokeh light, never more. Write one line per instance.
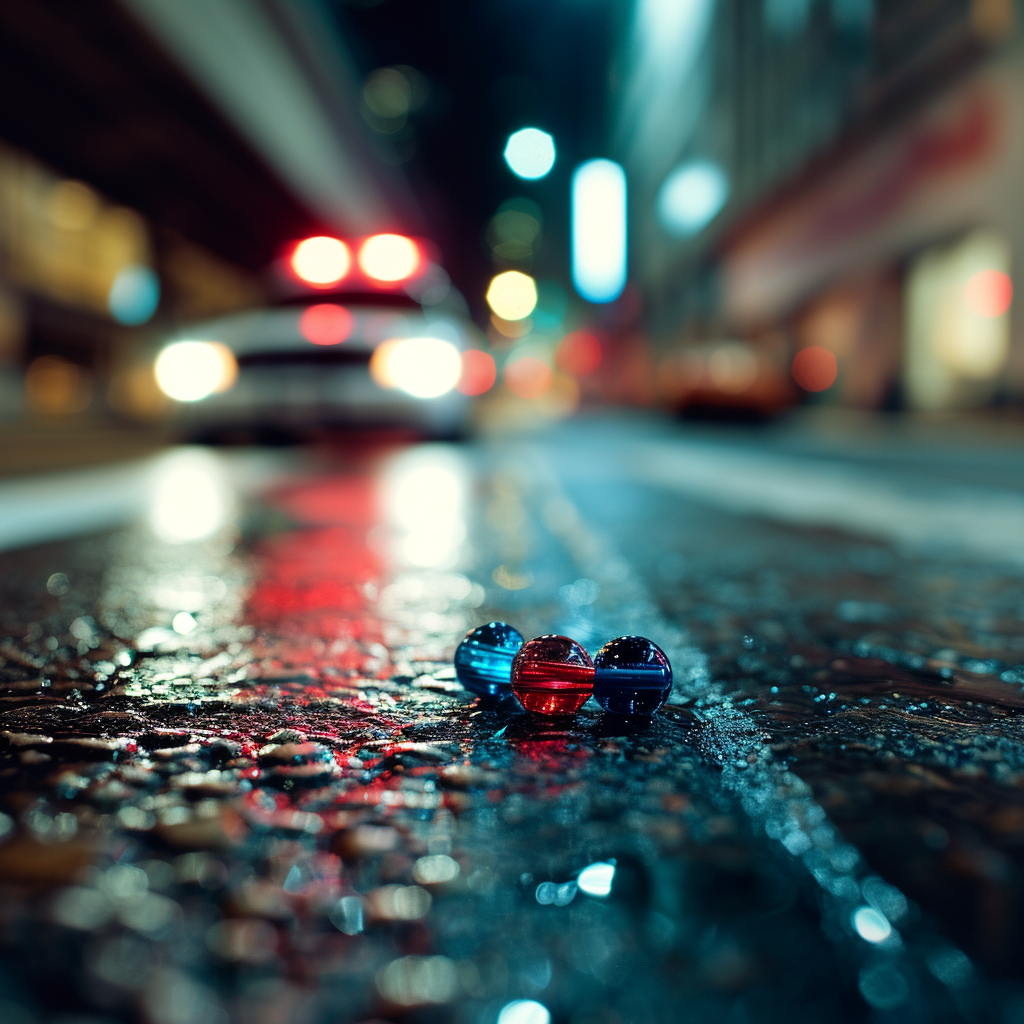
(512, 295)
(424, 495)
(321, 260)
(134, 295)
(512, 328)
(732, 368)
(326, 324)
(527, 376)
(380, 363)
(387, 93)
(599, 230)
(524, 1011)
(870, 925)
(596, 879)
(191, 498)
(530, 153)
(421, 367)
(579, 353)
(73, 206)
(815, 368)
(478, 372)
(189, 371)
(989, 293)
(56, 387)
(389, 258)
(514, 231)
(691, 196)
(418, 980)
(134, 392)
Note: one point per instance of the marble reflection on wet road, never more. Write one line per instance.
(241, 781)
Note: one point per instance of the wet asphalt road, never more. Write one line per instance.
(241, 783)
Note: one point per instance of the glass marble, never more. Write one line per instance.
(552, 675)
(632, 676)
(483, 661)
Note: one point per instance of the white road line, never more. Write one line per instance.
(69, 504)
(62, 505)
(984, 522)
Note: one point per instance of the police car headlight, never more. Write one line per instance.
(421, 367)
(189, 371)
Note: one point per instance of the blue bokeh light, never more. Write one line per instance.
(691, 197)
(134, 295)
(530, 153)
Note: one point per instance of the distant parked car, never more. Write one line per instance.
(353, 343)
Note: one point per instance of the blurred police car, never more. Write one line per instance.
(355, 342)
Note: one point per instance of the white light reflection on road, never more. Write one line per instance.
(423, 496)
(776, 800)
(191, 498)
(81, 501)
(424, 493)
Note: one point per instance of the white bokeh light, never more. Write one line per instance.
(191, 498)
(389, 257)
(321, 260)
(425, 492)
(189, 371)
(871, 925)
(524, 1011)
(596, 879)
(530, 153)
(691, 197)
(424, 367)
(599, 230)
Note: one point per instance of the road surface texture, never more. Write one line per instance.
(240, 782)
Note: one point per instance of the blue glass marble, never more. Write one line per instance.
(632, 676)
(483, 661)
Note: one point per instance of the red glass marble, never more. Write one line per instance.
(552, 675)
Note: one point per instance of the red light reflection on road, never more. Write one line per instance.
(311, 582)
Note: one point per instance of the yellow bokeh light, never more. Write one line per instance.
(512, 295)
(380, 363)
(56, 387)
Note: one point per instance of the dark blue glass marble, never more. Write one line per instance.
(632, 676)
(483, 661)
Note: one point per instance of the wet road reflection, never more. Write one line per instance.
(241, 781)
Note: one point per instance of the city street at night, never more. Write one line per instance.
(247, 773)
(511, 512)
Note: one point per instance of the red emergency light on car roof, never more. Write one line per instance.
(382, 261)
(321, 261)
